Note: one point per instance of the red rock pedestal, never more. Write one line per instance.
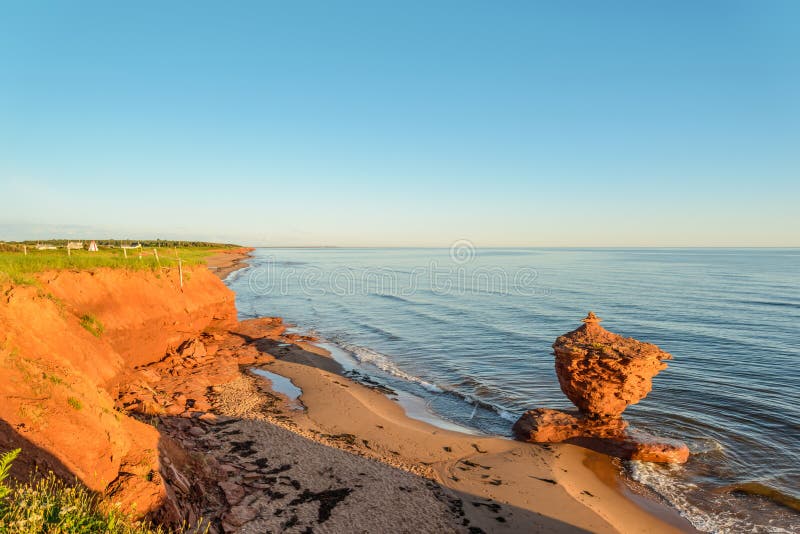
(602, 373)
(608, 436)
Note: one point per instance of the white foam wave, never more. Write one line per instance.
(384, 363)
(476, 402)
(705, 445)
(665, 480)
(508, 416)
(366, 356)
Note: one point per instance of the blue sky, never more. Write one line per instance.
(402, 123)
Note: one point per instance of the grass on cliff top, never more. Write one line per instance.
(49, 505)
(92, 324)
(18, 267)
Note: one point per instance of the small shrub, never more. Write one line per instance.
(5, 468)
(49, 505)
(92, 324)
(55, 300)
(75, 403)
(18, 279)
(55, 379)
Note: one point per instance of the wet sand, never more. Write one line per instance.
(506, 485)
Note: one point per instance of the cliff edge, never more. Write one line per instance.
(68, 342)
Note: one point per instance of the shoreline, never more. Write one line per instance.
(584, 487)
(224, 262)
(160, 413)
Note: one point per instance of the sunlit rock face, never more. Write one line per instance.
(543, 425)
(602, 373)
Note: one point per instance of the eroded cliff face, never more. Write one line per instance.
(57, 396)
(602, 373)
(144, 313)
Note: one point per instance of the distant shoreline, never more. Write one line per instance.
(225, 262)
(529, 247)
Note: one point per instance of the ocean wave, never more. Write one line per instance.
(705, 445)
(235, 275)
(473, 400)
(763, 490)
(508, 416)
(384, 363)
(381, 332)
(396, 298)
(715, 516)
(769, 303)
(286, 263)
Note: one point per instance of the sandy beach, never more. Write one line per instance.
(224, 262)
(345, 457)
(502, 485)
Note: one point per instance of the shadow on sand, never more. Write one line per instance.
(249, 475)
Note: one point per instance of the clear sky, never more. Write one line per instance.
(402, 123)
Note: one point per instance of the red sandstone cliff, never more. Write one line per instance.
(144, 313)
(57, 399)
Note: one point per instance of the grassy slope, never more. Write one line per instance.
(18, 267)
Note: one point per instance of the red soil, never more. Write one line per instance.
(60, 381)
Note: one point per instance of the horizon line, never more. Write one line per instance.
(432, 247)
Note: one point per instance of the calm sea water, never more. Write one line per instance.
(470, 332)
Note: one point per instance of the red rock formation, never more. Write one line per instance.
(609, 436)
(602, 373)
(543, 425)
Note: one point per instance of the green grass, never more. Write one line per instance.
(18, 267)
(49, 505)
(92, 325)
(75, 403)
(5, 468)
(55, 379)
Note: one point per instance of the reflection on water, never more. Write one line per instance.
(281, 384)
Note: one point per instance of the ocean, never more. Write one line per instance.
(467, 332)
